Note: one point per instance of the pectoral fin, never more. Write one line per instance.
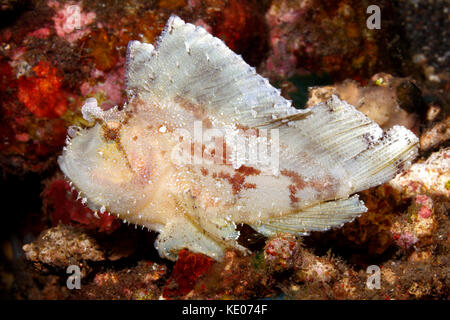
(182, 234)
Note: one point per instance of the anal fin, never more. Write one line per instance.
(320, 217)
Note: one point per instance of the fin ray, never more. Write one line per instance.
(342, 139)
(320, 217)
(224, 83)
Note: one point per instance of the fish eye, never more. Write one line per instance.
(111, 130)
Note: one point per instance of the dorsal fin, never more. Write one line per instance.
(192, 64)
(137, 64)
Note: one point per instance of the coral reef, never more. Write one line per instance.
(437, 135)
(238, 277)
(70, 22)
(279, 252)
(141, 282)
(41, 93)
(61, 203)
(188, 268)
(426, 177)
(326, 36)
(55, 54)
(385, 99)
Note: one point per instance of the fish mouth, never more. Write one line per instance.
(79, 151)
(93, 166)
(79, 161)
(100, 172)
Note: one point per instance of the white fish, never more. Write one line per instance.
(186, 94)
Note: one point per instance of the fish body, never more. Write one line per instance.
(205, 143)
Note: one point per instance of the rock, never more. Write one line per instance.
(280, 252)
(386, 100)
(430, 177)
(435, 136)
(62, 246)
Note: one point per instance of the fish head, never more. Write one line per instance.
(97, 165)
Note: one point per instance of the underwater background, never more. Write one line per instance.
(391, 64)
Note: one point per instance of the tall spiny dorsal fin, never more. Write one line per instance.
(137, 64)
(190, 63)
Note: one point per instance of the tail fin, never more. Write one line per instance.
(337, 135)
(382, 160)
